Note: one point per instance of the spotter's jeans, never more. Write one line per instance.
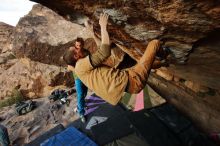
(81, 91)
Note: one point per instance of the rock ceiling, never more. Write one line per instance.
(184, 26)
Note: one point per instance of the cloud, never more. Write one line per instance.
(12, 10)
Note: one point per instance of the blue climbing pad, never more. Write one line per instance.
(69, 137)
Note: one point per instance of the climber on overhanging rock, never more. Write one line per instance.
(110, 83)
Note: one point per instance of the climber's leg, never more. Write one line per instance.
(138, 74)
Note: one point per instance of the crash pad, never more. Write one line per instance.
(69, 137)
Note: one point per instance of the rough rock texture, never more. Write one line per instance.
(203, 109)
(5, 37)
(42, 35)
(186, 27)
(34, 79)
(203, 66)
(5, 59)
(25, 128)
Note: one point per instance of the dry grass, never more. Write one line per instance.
(15, 97)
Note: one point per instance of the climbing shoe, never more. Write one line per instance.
(163, 53)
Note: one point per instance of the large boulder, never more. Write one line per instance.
(6, 32)
(42, 35)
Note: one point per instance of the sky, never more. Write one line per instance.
(12, 10)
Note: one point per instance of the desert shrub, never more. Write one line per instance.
(16, 96)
